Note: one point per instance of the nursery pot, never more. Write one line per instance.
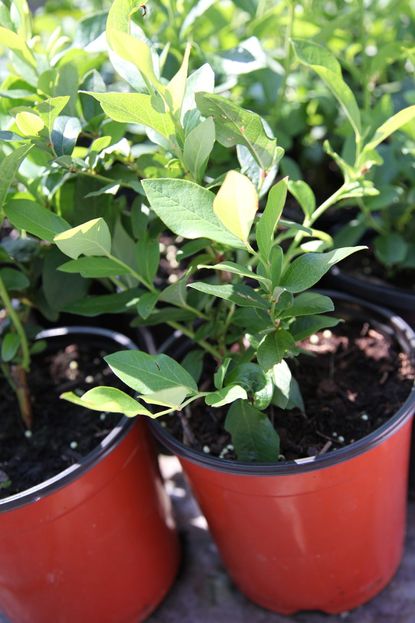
(398, 299)
(96, 542)
(321, 533)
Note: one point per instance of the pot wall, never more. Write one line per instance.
(96, 543)
(102, 548)
(328, 539)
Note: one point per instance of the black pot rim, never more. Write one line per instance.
(397, 297)
(406, 338)
(105, 447)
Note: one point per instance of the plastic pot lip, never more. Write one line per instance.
(107, 445)
(400, 298)
(406, 338)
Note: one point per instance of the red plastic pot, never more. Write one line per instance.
(97, 542)
(321, 533)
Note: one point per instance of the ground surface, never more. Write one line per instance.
(203, 592)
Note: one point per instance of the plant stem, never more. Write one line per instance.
(18, 372)
(286, 61)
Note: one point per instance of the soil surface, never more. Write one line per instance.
(365, 266)
(353, 378)
(62, 433)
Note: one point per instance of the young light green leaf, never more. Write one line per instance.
(308, 269)
(269, 220)
(253, 436)
(175, 90)
(15, 42)
(50, 109)
(94, 267)
(304, 195)
(107, 399)
(9, 346)
(236, 204)
(90, 238)
(135, 108)
(9, 166)
(240, 294)
(326, 66)
(187, 209)
(28, 123)
(390, 126)
(198, 146)
(226, 395)
(236, 126)
(149, 374)
(172, 397)
(33, 218)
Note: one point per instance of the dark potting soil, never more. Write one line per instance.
(365, 266)
(62, 433)
(353, 378)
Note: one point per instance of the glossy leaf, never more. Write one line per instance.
(226, 395)
(94, 267)
(241, 295)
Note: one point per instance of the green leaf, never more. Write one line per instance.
(29, 124)
(236, 204)
(147, 303)
(274, 347)
(15, 42)
(308, 269)
(308, 303)
(109, 400)
(198, 146)
(225, 396)
(308, 325)
(9, 166)
(326, 66)
(94, 267)
(187, 209)
(193, 363)
(304, 195)
(30, 216)
(236, 269)
(269, 220)
(390, 248)
(14, 280)
(92, 306)
(236, 126)
(64, 135)
(136, 108)
(282, 380)
(390, 126)
(163, 316)
(150, 374)
(148, 257)
(240, 294)
(50, 109)
(132, 49)
(60, 289)
(175, 294)
(253, 436)
(9, 346)
(90, 238)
